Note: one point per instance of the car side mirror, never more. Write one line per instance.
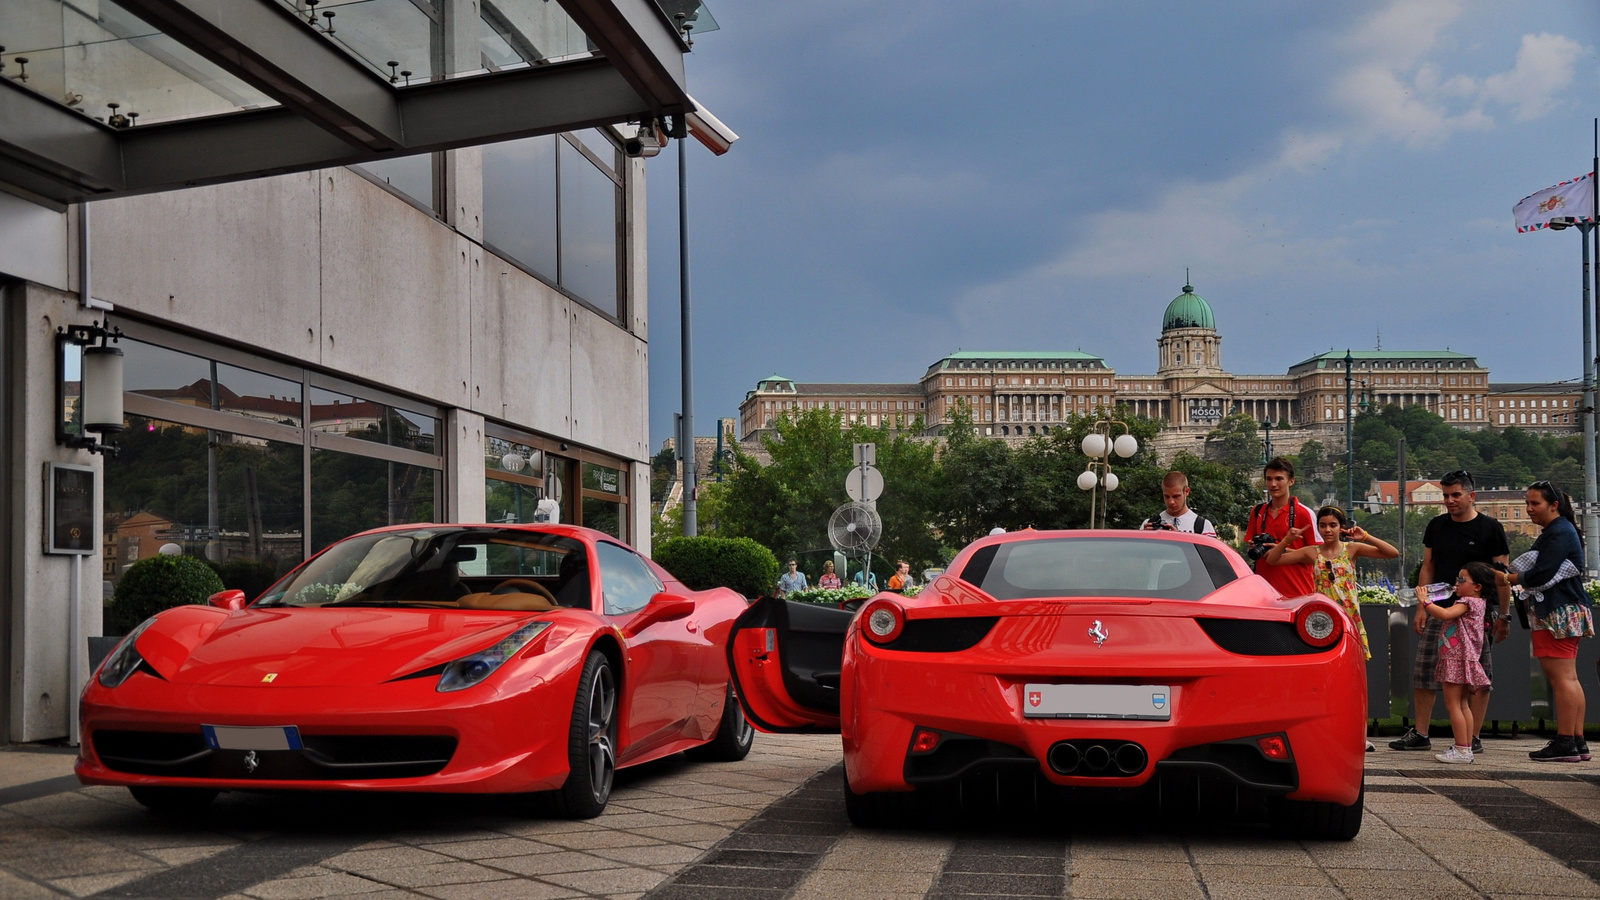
(663, 607)
(232, 600)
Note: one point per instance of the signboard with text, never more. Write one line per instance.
(70, 512)
(1199, 413)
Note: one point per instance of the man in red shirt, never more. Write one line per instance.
(1275, 517)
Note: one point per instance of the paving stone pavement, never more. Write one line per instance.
(773, 826)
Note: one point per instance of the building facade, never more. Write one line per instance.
(1028, 392)
(456, 332)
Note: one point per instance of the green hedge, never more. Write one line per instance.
(160, 582)
(702, 563)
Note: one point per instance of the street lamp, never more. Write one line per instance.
(1099, 445)
(1591, 523)
(1349, 433)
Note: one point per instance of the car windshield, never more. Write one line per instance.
(436, 567)
(1095, 567)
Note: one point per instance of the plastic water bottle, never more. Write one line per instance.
(1437, 592)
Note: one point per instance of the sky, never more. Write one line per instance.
(916, 178)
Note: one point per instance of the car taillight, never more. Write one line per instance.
(882, 621)
(1319, 624)
(926, 740)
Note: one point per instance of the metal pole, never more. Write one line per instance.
(1591, 525)
(1404, 580)
(1349, 434)
(691, 520)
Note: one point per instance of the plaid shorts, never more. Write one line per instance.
(1424, 670)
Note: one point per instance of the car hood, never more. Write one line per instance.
(280, 647)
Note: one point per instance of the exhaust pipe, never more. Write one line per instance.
(1130, 759)
(1064, 758)
(1097, 757)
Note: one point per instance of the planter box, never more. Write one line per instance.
(1376, 621)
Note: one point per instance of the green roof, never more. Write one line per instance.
(1022, 354)
(1188, 310)
(1382, 355)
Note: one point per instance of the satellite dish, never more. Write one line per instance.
(855, 528)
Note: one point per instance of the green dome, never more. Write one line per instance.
(1188, 310)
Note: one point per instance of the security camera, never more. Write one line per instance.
(709, 130)
(647, 142)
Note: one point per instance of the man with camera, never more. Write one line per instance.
(1177, 516)
(1460, 536)
(1269, 525)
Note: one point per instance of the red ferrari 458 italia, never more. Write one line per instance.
(1088, 660)
(472, 658)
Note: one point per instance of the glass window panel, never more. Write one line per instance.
(603, 515)
(335, 413)
(519, 201)
(411, 430)
(159, 490)
(183, 378)
(626, 582)
(588, 230)
(88, 55)
(352, 493)
(600, 146)
(517, 33)
(378, 32)
(410, 175)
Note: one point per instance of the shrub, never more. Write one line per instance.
(160, 582)
(707, 562)
(249, 575)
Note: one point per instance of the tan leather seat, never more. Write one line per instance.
(516, 601)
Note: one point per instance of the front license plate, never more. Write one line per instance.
(229, 737)
(1097, 701)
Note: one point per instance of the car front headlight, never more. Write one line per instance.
(125, 660)
(470, 670)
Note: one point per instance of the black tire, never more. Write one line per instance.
(886, 809)
(171, 801)
(591, 743)
(1315, 821)
(735, 735)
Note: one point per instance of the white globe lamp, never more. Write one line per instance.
(1094, 446)
(512, 462)
(1126, 445)
(1112, 481)
(1086, 481)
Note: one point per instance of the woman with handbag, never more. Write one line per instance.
(1559, 613)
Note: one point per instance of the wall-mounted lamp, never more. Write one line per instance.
(99, 407)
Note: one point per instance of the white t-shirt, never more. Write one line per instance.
(1188, 523)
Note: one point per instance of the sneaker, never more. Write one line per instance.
(1477, 744)
(1456, 754)
(1562, 749)
(1411, 740)
(1583, 749)
(1370, 748)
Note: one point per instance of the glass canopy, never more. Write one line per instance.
(101, 60)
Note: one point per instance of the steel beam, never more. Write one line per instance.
(45, 142)
(644, 46)
(289, 60)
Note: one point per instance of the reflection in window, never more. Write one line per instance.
(158, 490)
(410, 175)
(366, 420)
(193, 381)
(352, 493)
(603, 515)
(626, 582)
(589, 219)
(519, 202)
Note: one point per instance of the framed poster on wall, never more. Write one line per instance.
(70, 510)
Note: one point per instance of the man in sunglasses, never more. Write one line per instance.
(1460, 536)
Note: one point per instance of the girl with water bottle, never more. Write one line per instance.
(1460, 643)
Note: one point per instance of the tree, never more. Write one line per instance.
(1239, 443)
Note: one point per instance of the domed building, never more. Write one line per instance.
(1024, 393)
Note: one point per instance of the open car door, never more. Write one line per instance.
(784, 659)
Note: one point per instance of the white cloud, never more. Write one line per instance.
(1545, 66)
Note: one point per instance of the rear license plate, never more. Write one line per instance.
(229, 737)
(1097, 701)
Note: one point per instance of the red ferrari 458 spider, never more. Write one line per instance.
(472, 658)
(1088, 660)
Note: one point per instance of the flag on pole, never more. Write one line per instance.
(1570, 199)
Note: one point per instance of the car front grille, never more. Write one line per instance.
(324, 757)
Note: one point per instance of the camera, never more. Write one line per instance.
(652, 136)
(1259, 545)
(1156, 524)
